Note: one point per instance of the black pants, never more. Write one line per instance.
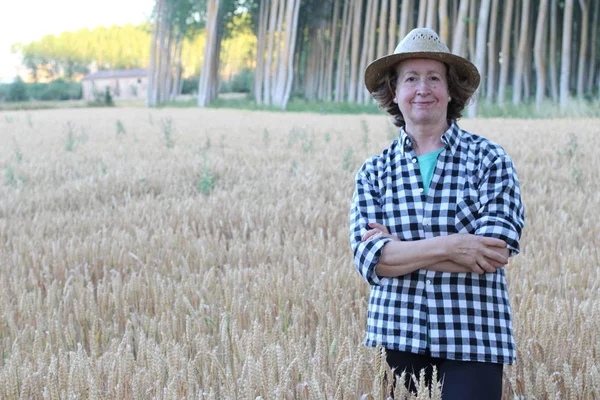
(462, 380)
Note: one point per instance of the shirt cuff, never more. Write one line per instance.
(366, 258)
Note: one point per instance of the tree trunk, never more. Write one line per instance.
(565, 63)
(216, 61)
(153, 54)
(492, 54)
(422, 13)
(340, 81)
(482, 27)
(552, 57)
(175, 88)
(592, 63)
(323, 63)
(356, 23)
(276, 78)
(520, 60)
(364, 56)
(430, 21)
(370, 53)
(167, 64)
(293, 23)
(471, 25)
(210, 48)
(505, 51)
(406, 19)
(333, 34)
(383, 29)
(393, 26)
(269, 62)
(259, 70)
(162, 39)
(444, 21)
(459, 28)
(540, 66)
(582, 48)
(528, 65)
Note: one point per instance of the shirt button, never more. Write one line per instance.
(428, 282)
(421, 190)
(426, 222)
(414, 160)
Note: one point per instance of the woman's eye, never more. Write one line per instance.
(411, 79)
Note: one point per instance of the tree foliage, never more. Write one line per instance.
(72, 53)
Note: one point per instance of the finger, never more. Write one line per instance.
(486, 266)
(477, 269)
(495, 256)
(493, 242)
(496, 264)
(369, 233)
(375, 225)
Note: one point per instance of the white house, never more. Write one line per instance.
(125, 84)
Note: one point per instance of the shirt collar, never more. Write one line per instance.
(450, 138)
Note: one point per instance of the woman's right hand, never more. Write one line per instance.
(479, 253)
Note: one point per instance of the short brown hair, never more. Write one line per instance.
(457, 87)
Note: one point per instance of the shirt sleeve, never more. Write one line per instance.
(502, 214)
(366, 208)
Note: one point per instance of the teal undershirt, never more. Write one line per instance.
(427, 164)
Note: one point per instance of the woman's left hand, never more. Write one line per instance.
(377, 231)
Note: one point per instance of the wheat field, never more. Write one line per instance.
(204, 254)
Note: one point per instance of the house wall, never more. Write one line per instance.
(130, 88)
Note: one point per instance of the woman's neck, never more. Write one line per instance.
(426, 138)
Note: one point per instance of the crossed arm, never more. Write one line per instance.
(499, 228)
(452, 253)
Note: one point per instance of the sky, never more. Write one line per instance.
(28, 21)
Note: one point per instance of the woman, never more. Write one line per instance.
(434, 219)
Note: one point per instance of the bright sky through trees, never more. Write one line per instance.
(31, 20)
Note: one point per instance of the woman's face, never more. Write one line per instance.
(422, 92)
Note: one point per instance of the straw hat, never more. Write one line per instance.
(421, 43)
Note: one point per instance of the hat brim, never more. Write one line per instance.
(381, 66)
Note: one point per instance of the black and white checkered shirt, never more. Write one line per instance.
(474, 189)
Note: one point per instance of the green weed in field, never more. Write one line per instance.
(70, 139)
(166, 125)
(120, 128)
(365, 137)
(18, 152)
(347, 164)
(11, 178)
(206, 182)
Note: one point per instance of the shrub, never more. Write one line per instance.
(240, 83)
(17, 91)
(190, 86)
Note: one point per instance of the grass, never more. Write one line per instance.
(240, 101)
(223, 270)
(575, 109)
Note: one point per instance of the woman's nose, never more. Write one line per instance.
(423, 87)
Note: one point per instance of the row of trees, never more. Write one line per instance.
(72, 53)
(175, 20)
(524, 49)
